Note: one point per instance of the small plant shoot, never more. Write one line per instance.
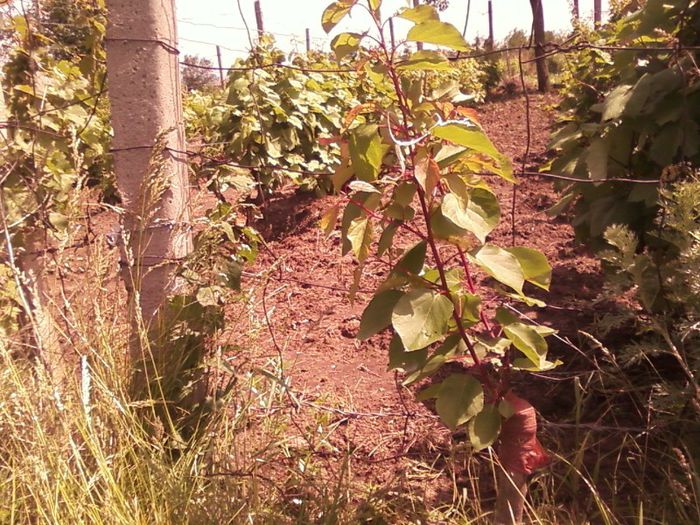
(413, 172)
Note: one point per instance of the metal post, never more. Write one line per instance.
(308, 40)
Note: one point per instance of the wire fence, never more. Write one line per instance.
(546, 50)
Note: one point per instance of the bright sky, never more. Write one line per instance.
(205, 23)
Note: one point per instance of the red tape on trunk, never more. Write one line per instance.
(519, 449)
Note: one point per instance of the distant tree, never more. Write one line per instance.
(195, 76)
(440, 5)
(517, 38)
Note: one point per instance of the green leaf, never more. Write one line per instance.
(420, 317)
(425, 61)
(615, 102)
(484, 428)
(377, 315)
(461, 397)
(479, 214)
(386, 239)
(430, 392)
(528, 341)
(328, 219)
(505, 409)
(412, 261)
(407, 361)
(525, 364)
(535, 266)
(345, 44)
(471, 305)
(58, 221)
(360, 237)
(451, 346)
(335, 12)
(353, 211)
(597, 159)
(501, 265)
(475, 140)
(366, 151)
(438, 33)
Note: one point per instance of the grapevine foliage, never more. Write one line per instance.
(411, 172)
(630, 114)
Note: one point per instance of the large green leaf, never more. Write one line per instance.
(377, 315)
(460, 398)
(484, 428)
(535, 266)
(420, 317)
(501, 265)
(335, 12)
(479, 214)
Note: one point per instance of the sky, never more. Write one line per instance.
(202, 24)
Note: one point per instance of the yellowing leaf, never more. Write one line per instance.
(345, 44)
(360, 237)
(427, 171)
(329, 218)
(425, 61)
(419, 14)
(335, 12)
(438, 33)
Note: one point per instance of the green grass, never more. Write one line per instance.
(84, 451)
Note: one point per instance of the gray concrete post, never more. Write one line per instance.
(144, 90)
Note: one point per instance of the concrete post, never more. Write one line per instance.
(221, 67)
(490, 43)
(144, 90)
